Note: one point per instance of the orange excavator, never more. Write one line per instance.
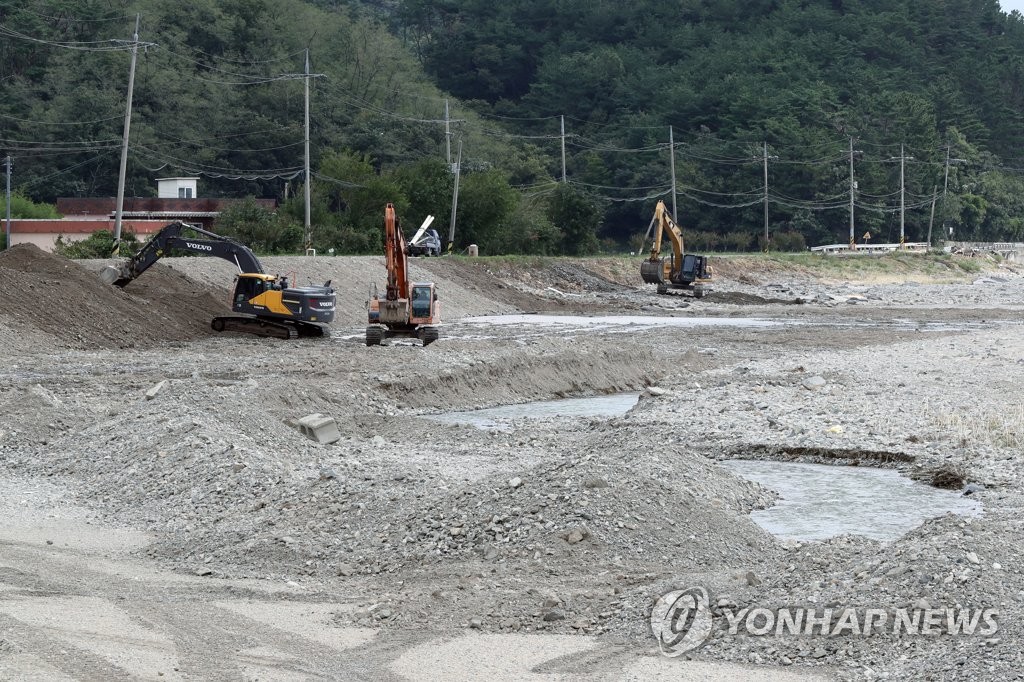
(408, 309)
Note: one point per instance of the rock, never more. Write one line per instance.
(378, 441)
(656, 391)
(551, 601)
(49, 398)
(972, 488)
(973, 558)
(592, 483)
(155, 391)
(814, 383)
(515, 482)
(752, 579)
(511, 624)
(345, 570)
(835, 429)
(575, 536)
(328, 474)
(476, 623)
(819, 653)
(553, 615)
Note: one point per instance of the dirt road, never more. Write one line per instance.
(198, 535)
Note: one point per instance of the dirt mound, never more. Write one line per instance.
(740, 298)
(61, 298)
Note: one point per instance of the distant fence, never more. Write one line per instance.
(866, 249)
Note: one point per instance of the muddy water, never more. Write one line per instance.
(821, 501)
(499, 417)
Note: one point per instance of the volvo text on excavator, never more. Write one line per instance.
(685, 271)
(264, 305)
(408, 308)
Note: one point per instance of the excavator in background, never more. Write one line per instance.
(265, 305)
(408, 308)
(680, 271)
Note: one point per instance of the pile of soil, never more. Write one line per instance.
(59, 297)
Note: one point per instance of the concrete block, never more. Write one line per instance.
(319, 428)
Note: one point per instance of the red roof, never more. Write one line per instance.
(72, 226)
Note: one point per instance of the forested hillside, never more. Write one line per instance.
(217, 95)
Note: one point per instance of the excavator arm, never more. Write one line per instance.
(171, 237)
(395, 256)
(665, 224)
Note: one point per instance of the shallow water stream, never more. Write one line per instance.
(820, 501)
(614, 405)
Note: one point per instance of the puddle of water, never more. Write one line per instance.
(497, 418)
(821, 501)
(605, 321)
(621, 323)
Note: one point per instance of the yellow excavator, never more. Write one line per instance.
(263, 304)
(679, 271)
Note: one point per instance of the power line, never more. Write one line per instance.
(60, 123)
(110, 45)
(96, 20)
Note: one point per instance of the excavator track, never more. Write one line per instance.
(255, 326)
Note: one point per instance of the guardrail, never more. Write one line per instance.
(915, 247)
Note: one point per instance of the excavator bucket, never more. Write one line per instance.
(112, 274)
(653, 271)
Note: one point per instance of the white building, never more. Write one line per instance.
(176, 188)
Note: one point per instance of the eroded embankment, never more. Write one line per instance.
(520, 378)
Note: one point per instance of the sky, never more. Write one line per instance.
(1010, 5)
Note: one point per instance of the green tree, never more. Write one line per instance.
(99, 244)
(486, 203)
(23, 207)
(578, 219)
(261, 230)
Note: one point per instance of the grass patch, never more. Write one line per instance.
(1002, 428)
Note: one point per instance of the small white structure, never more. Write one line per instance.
(176, 188)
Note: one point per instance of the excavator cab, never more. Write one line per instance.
(422, 298)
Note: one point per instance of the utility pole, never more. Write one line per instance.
(931, 219)
(563, 149)
(853, 188)
(119, 210)
(307, 224)
(766, 159)
(447, 135)
(7, 243)
(672, 165)
(766, 196)
(455, 198)
(945, 188)
(903, 203)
